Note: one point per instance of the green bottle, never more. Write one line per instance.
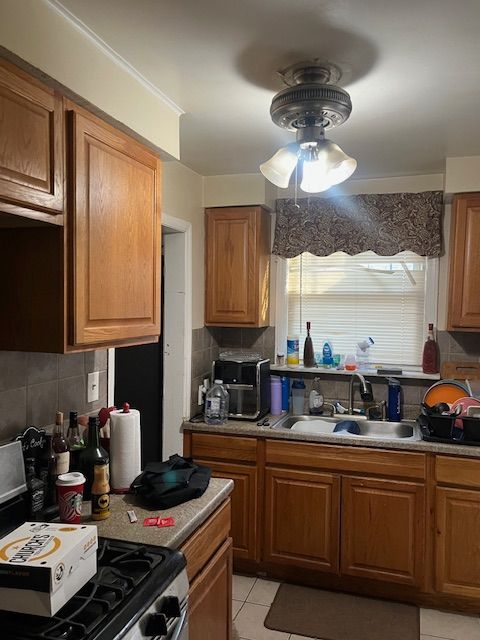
(90, 456)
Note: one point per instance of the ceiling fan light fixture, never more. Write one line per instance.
(279, 168)
(310, 104)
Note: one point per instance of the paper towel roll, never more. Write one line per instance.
(125, 449)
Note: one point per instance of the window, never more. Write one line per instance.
(348, 298)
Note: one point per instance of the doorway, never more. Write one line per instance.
(156, 378)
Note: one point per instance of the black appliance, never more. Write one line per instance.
(248, 385)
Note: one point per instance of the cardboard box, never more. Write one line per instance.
(42, 565)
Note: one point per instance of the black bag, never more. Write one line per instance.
(165, 484)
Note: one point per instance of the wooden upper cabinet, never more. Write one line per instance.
(383, 530)
(237, 254)
(31, 147)
(464, 296)
(115, 234)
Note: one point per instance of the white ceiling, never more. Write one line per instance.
(412, 69)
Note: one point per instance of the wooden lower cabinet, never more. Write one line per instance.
(302, 518)
(383, 530)
(457, 549)
(244, 505)
(208, 553)
(210, 598)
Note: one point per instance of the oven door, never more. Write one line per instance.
(180, 631)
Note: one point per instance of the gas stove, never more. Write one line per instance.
(139, 591)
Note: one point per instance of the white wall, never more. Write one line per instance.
(182, 197)
(239, 189)
(36, 32)
(462, 175)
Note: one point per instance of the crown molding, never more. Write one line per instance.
(113, 55)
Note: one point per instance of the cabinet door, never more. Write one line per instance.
(383, 530)
(464, 297)
(237, 262)
(302, 519)
(31, 147)
(115, 235)
(210, 598)
(457, 550)
(244, 505)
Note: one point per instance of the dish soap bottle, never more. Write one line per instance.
(315, 399)
(327, 354)
(430, 353)
(308, 353)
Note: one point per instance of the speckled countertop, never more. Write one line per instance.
(245, 428)
(188, 517)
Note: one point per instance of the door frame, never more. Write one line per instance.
(180, 377)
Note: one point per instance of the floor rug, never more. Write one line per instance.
(338, 616)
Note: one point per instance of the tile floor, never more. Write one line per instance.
(252, 598)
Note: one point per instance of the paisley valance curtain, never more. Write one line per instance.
(386, 223)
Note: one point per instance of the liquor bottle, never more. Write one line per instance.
(430, 353)
(48, 471)
(35, 488)
(60, 446)
(75, 441)
(308, 353)
(90, 456)
(100, 492)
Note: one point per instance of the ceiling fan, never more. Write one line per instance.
(310, 104)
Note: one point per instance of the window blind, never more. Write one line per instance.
(348, 298)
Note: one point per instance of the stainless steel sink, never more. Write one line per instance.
(368, 428)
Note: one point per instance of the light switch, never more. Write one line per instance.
(92, 386)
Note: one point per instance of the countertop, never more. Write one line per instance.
(246, 428)
(188, 517)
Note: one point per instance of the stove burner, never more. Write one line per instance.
(122, 568)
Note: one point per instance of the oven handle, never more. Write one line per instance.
(180, 627)
(239, 387)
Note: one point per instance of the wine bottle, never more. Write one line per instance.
(60, 446)
(75, 441)
(308, 353)
(90, 456)
(430, 353)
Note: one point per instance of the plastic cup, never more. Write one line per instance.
(70, 496)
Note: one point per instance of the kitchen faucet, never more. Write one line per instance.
(365, 390)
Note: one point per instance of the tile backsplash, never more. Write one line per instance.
(33, 386)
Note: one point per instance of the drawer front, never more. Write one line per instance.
(208, 446)
(348, 459)
(201, 546)
(462, 472)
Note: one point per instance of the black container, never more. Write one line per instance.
(471, 429)
(442, 426)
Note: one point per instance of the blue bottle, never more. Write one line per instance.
(327, 354)
(285, 393)
(394, 400)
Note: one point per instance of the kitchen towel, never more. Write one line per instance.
(125, 449)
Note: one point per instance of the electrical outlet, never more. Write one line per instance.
(92, 386)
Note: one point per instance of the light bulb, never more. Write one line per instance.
(281, 165)
(324, 166)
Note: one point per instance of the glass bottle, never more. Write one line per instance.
(35, 488)
(91, 455)
(75, 441)
(430, 353)
(48, 471)
(100, 492)
(308, 353)
(60, 446)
